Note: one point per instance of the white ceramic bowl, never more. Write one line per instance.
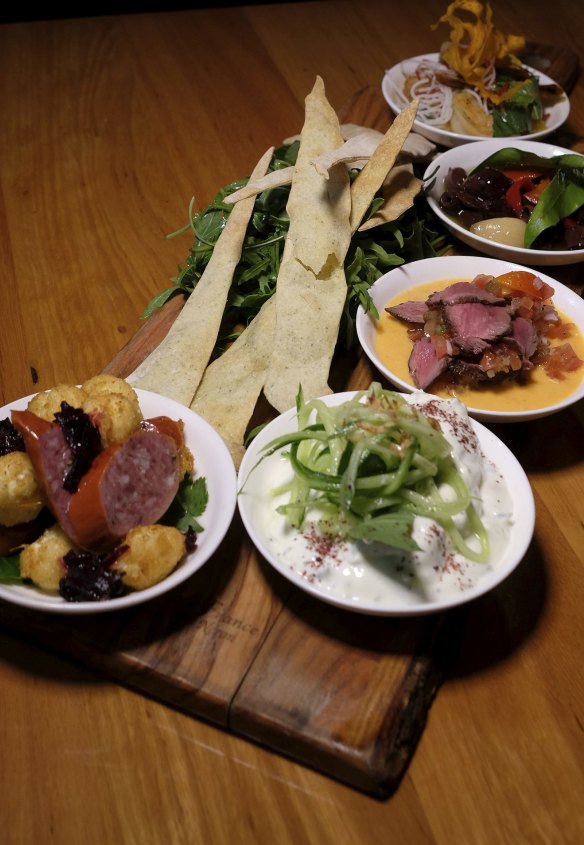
(212, 461)
(402, 279)
(256, 503)
(468, 157)
(392, 89)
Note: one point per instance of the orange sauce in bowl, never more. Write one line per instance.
(393, 347)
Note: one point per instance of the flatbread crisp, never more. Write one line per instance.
(175, 368)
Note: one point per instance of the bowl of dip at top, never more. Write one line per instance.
(502, 241)
(386, 342)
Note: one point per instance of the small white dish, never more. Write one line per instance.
(255, 500)
(212, 461)
(392, 89)
(470, 156)
(402, 280)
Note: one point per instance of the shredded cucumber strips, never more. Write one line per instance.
(369, 466)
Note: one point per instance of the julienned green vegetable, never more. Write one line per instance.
(369, 467)
(562, 197)
(417, 234)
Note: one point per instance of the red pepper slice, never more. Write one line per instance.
(513, 194)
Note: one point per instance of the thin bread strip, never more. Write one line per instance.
(231, 385)
(311, 288)
(175, 368)
(273, 179)
(371, 178)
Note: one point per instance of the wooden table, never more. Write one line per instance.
(109, 126)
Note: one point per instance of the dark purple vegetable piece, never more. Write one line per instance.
(483, 191)
(11, 440)
(83, 439)
(90, 577)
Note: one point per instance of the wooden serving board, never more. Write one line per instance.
(241, 647)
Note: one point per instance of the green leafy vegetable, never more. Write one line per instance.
(562, 197)
(517, 114)
(10, 569)
(189, 503)
(369, 466)
(510, 121)
(511, 157)
(417, 234)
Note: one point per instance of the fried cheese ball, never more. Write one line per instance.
(115, 415)
(112, 405)
(42, 561)
(20, 497)
(47, 404)
(154, 552)
(105, 383)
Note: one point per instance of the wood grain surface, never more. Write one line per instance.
(238, 646)
(112, 125)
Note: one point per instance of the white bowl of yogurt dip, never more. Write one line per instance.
(374, 578)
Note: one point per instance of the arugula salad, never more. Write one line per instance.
(416, 234)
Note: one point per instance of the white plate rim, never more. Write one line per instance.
(493, 448)
(212, 461)
(481, 150)
(394, 76)
(457, 266)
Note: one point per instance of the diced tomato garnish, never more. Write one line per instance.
(523, 282)
(558, 331)
(562, 359)
(440, 344)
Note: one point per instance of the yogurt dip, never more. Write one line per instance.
(374, 573)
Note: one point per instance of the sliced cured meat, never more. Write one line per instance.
(466, 372)
(51, 459)
(412, 311)
(424, 364)
(475, 319)
(524, 334)
(471, 345)
(129, 484)
(459, 292)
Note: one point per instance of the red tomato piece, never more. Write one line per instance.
(524, 282)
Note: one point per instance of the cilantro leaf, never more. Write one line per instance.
(189, 503)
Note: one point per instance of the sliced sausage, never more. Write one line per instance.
(129, 484)
(165, 425)
(51, 459)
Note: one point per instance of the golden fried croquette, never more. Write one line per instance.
(20, 497)
(42, 561)
(186, 461)
(112, 406)
(115, 415)
(47, 404)
(105, 383)
(154, 552)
